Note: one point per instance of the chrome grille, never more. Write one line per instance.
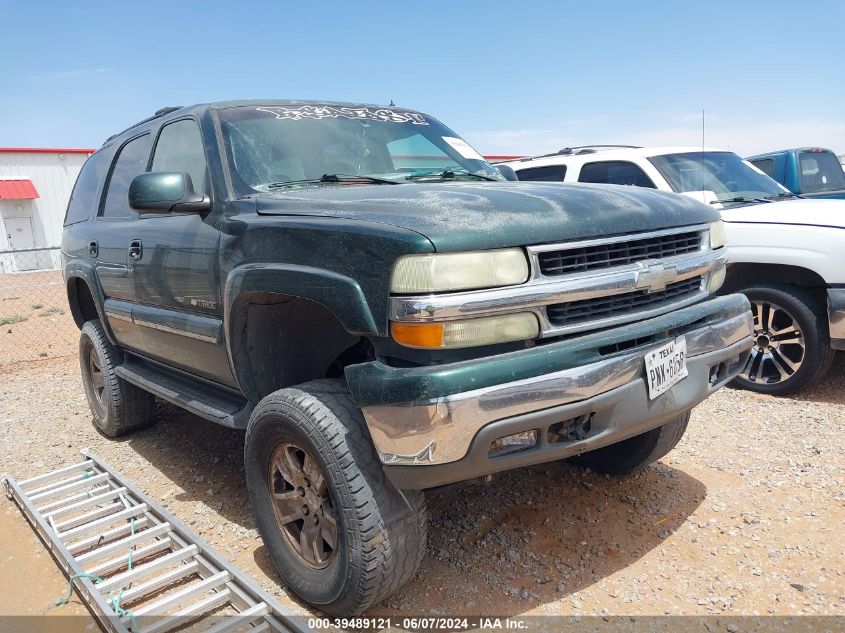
(608, 255)
(573, 312)
(589, 284)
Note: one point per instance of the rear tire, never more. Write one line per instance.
(635, 452)
(791, 341)
(117, 406)
(355, 538)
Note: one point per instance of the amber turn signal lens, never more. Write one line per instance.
(425, 335)
(467, 332)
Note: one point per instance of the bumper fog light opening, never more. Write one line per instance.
(513, 443)
(571, 430)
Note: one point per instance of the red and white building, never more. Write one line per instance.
(35, 185)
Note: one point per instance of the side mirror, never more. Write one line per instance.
(507, 172)
(166, 192)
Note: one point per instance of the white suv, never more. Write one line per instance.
(787, 254)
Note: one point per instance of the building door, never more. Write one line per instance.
(20, 237)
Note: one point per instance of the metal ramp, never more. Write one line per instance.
(137, 568)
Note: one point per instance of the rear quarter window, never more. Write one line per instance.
(766, 165)
(615, 172)
(86, 192)
(548, 173)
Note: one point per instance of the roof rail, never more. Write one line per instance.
(563, 152)
(580, 149)
(605, 147)
(166, 110)
(158, 113)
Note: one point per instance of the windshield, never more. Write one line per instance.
(723, 173)
(820, 171)
(271, 147)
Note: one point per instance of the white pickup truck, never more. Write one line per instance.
(787, 254)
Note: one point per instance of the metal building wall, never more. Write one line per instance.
(53, 173)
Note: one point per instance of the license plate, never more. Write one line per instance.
(666, 366)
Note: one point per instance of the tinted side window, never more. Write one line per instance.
(820, 171)
(131, 161)
(84, 198)
(554, 173)
(615, 172)
(179, 148)
(766, 165)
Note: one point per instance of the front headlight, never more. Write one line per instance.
(467, 332)
(718, 236)
(441, 272)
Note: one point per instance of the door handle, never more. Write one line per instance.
(136, 250)
(93, 249)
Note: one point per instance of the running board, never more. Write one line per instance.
(194, 396)
(136, 567)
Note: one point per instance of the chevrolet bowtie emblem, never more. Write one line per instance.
(655, 277)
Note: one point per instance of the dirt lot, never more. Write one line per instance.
(44, 583)
(744, 517)
(35, 322)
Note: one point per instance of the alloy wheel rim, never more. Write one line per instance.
(779, 348)
(95, 373)
(302, 506)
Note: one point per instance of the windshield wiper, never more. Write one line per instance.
(782, 195)
(449, 174)
(739, 199)
(333, 178)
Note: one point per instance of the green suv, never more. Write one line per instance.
(381, 312)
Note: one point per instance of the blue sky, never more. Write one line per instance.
(511, 77)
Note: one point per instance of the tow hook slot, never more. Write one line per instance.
(721, 371)
(571, 430)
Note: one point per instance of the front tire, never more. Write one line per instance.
(341, 536)
(791, 341)
(635, 452)
(117, 406)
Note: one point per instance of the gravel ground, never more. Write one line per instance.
(744, 517)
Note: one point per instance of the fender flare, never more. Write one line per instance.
(76, 269)
(339, 294)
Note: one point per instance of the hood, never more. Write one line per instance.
(807, 212)
(466, 216)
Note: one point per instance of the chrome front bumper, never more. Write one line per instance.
(441, 430)
(836, 323)
(836, 316)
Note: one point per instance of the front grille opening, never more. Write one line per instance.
(577, 260)
(602, 307)
(623, 346)
(572, 430)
